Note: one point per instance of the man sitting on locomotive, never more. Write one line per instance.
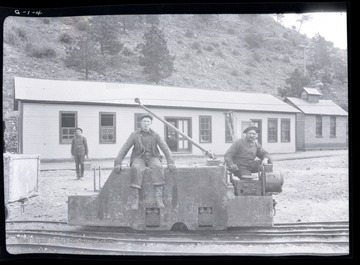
(240, 157)
(145, 154)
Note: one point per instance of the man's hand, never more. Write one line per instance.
(234, 168)
(117, 169)
(171, 167)
(265, 161)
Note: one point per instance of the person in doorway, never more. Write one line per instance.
(79, 149)
(240, 157)
(145, 154)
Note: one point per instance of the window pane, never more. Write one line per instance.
(332, 126)
(272, 130)
(107, 128)
(285, 130)
(205, 129)
(318, 126)
(67, 120)
(107, 119)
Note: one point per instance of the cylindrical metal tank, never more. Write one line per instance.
(274, 181)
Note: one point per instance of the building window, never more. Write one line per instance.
(272, 130)
(137, 120)
(332, 126)
(285, 130)
(205, 129)
(68, 123)
(228, 137)
(107, 128)
(318, 126)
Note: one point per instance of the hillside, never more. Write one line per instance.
(213, 52)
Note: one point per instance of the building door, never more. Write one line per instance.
(258, 123)
(175, 141)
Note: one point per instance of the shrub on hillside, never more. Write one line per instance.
(254, 40)
(65, 38)
(10, 38)
(248, 71)
(231, 31)
(235, 52)
(257, 57)
(286, 58)
(189, 34)
(209, 48)
(196, 46)
(220, 54)
(40, 51)
(21, 33)
(234, 72)
(82, 24)
(46, 20)
(127, 52)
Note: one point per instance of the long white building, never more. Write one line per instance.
(50, 110)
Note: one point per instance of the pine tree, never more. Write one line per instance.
(156, 59)
(104, 29)
(84, 56)
(294, 84)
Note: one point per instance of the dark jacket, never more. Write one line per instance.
(79, 146)
(243, 154)
(135, 140)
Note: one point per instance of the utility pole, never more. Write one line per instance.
(304, 47)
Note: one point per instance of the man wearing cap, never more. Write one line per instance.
(145, 154)
(79, 149)
(240, 158)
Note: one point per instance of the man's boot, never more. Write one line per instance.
(136, 195)
(158, 196)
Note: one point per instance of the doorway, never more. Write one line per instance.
(175, 141)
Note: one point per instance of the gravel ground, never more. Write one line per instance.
(315, 190)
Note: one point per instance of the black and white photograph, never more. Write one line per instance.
(148, 132)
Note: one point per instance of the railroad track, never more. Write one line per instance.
(323, 238)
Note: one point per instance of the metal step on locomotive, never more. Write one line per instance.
(205, 197)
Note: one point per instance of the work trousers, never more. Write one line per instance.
(138, 167)
(246, 171)
(79, 162)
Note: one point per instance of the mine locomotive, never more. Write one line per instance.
(205, 197)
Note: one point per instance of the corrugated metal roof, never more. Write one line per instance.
(323, 107)
(312, 91)
(150, 95)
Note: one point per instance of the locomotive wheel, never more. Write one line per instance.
(179, 227)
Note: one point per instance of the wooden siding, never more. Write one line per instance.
(324, 142)
(41, 129)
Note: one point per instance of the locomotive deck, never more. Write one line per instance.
(197, 197)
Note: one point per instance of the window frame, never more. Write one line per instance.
(281, 133)
(332, 123)
(276, 130)
(101, 141)
(317, 125)
(61, 128)
(209, 117)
